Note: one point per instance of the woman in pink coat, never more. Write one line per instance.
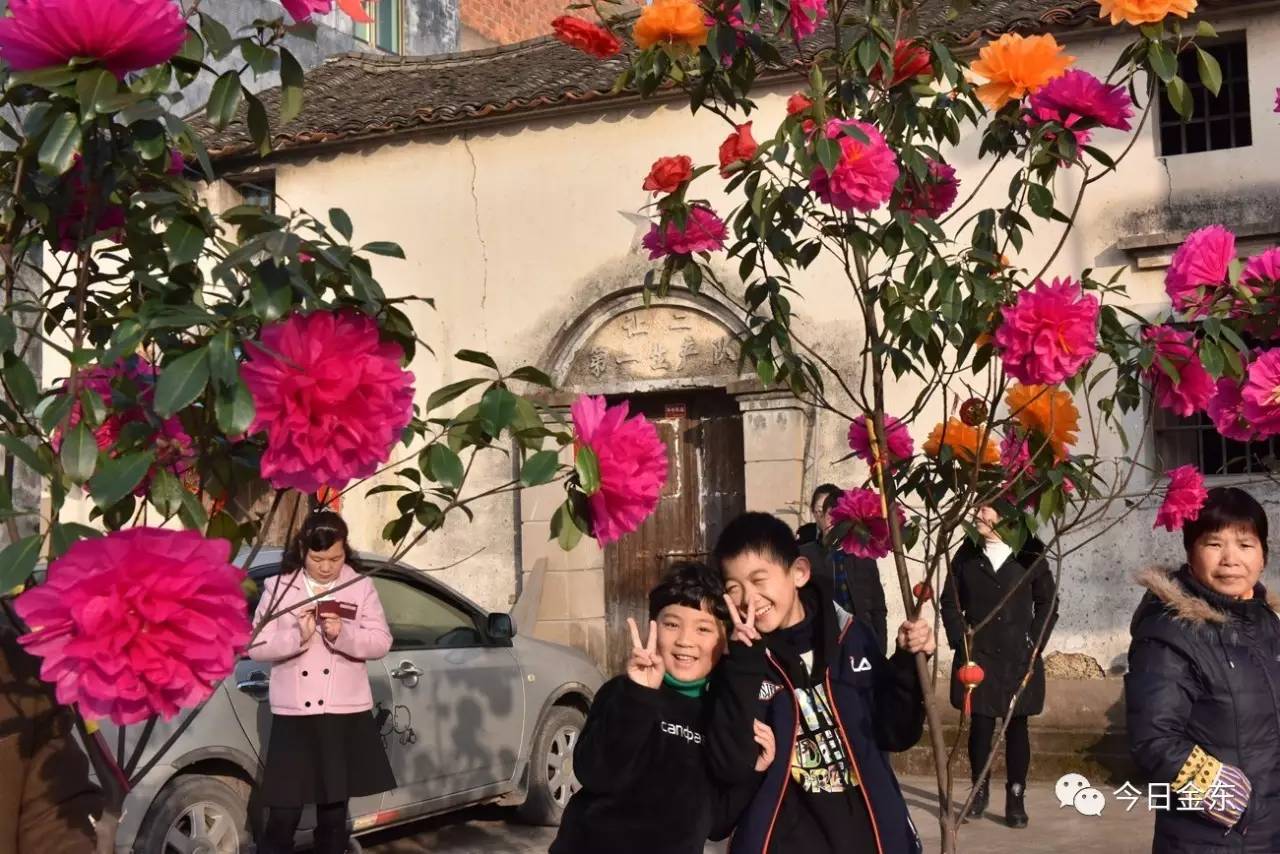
(325, 623)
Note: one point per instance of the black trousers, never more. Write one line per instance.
(1017, 743)
(282, 825)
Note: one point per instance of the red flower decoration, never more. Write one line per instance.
(142, 622)
(592, 39)
(633, 466)
(738, 147)
(331, 397)
(1183, 500)
(668, 173)
(123, 35)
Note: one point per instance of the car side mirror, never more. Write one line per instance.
(501, 627)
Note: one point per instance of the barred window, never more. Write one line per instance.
(1195, 441)
(1217, 122)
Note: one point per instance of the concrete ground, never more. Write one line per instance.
(1053, 829)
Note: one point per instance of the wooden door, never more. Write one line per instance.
(704, 489)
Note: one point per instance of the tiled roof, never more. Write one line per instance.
(354, 97)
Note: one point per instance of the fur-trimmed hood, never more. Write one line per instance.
(1182, 604)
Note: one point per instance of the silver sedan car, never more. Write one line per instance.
(469, 713)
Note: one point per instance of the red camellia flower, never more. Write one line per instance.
(931, 197)
(668, 173)
(1190, 393)
(738, 147)
(123, 35)
(869, 534)
(331, 397)
(590, 38)
(1183, 500)
(142, 622)
(703, 231)
(798, 103)
(910, 60)
(633, 465)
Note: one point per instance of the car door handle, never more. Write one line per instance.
(406, 672)
(256, 685)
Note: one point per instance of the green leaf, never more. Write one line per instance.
(222, 358)
(1210, 71)
(61, 144)
(1040, 199)
(383, 247)
(338, 217)
(66, 534)
(1205, 30)
(828, 153)
(185, 240)
(444, 394)
(94, 87)
(125, 340)
(18, 560)
(476, 358)
(223, 527)
(540, 468)
(1180, 97)
(234, 408)
(224, 100)
(446, 467)
(79, 453)
(117, 478)
(22, 451)
(8, 334)
(21, 382)
(531, 374)
(564, 528)
(587, 465)
(192, 512)
(291, 80)
(497, 409)
(1162, 60)
(215, 36)
(259, 124)
(165, 492)
(181, 382)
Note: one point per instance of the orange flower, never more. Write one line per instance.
(1014, 66)
(1048, 412)
(963, 441)
(673, 22)
(1139, 12)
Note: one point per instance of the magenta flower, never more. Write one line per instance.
(1261, 394)
(1277, 107)
(869, 534)
(141, 622)
(1049, 333)
(1183, 499)
(302, 10)
(331, 397)
(1078, 96)
(1226, 409)
(1015, 455)
(932, 197)
(703, 232)
(73, 225)
(866, 173)
(1199, 269)
(633, 465)
(123, 35)
(1263, 268)
(805, 17)
(1191, 391)
(900, 445)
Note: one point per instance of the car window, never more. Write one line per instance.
(421, 620)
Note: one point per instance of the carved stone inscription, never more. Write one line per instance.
(656, 343)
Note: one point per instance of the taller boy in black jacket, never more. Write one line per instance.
(819, 679)
(645, 783)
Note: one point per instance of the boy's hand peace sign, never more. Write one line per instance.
(645, 667)
(744, 628)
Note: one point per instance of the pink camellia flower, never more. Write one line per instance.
(1199, 269)
(1261, 394)
(805, 17)
(1183, 499)
(900, 445)
(932, 197)
(123, 35)
(1049, 333)
(633, 465)
(1078, 96)
(330, 395)
(176, 162)
(1262, 268)
(1015, 455)
(1190, 393)
(142, 622)
(302, 10)
(1226, 408)
(703, 232)
(866, 173)
(869, 535)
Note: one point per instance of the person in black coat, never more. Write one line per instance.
(854, 582)
(1201, 694)
(980, 579)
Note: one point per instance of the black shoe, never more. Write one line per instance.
(980, 800)
(1015, 811)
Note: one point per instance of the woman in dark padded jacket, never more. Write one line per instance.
(1203, 689)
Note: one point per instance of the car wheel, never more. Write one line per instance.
(196, 813)
(551, 778)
